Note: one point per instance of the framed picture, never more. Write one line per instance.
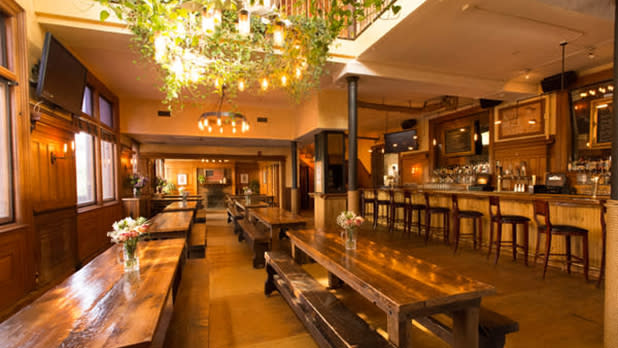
(182, 179)
(458, 141)
(602, 114)
(521, 120)
(244, 178)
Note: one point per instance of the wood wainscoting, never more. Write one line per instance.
(92, 228)
(15, 266)
(57, 244)
(532, 151)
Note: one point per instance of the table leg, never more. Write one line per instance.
(399, 330)
(334, 282)
(274, 238)
(466, 327)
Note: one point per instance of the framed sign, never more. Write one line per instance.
(459, 141)
(602, 115)
(521, 120)
(244, 178)
(182, 179)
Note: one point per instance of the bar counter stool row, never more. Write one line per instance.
(388, 204)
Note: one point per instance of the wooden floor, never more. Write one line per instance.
(221, 302)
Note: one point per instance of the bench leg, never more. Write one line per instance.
(269, 286)
(399, 330)
(258, 255)
(334, 282)
(466, 327)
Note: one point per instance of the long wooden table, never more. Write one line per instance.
(175, 224)
(181, 206)
(275, 219)
(102, 306)
(401, 285)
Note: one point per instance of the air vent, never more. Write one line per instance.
(164, 113)
(262, 119)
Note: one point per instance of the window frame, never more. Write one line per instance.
(10, 154)
(95, 200)
(114, 171)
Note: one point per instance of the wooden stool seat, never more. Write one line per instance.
(439, 210)
(541, 208)
(510, 219)
(496, 218)
(470, 213)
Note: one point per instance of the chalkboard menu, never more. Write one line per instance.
(521, 120)
(604, 121)
(458, 141)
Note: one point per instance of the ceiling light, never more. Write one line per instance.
(498, 122)
(531, 121)
(583, 94)
(610, 88)
(370, 150)
(602, 106)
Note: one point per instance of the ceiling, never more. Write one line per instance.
(481, 48)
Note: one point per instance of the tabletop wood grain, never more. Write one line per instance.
(177, 221)
(253, 205)
(100, 305)
(181, 206)
(276, 217)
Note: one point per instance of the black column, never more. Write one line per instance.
(294, 165)
(352, 131)
(614, 180)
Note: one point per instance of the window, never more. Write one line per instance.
(87, 101)
(3, 44)
(106, 112)
(84, 165)
(108, 177)
(6, 178)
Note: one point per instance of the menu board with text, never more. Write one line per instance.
(521, 120)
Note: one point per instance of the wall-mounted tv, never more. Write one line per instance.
(62, 78)
(400, 141)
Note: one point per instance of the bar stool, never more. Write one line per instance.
(383, 199)
(477, 220)
(399, 201)
(444, 211)
(541, 208)
(412, 209)
(514, 220)
(368, 200)
(604, 235)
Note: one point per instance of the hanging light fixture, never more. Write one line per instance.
(223, 119)
(278, 34)
(244, 22)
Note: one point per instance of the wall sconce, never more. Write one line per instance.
(55, 157)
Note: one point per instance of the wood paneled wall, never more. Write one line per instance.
(534, 152)
(16, 264)
(92, 228)
(57, 244)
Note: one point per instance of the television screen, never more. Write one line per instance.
(62, 78)
(400, 141)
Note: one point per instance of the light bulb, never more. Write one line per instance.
(66, 147)
(209, 129)
(72, 145)
(244, 22)
(233, 123)
(284, 80)
(264, 84)
(217, 82)
(200, 125)
(221, 130)
(299, 73)
(205, 122)
(278, 34)
(241, 85)
(234, 130)
(219, 121)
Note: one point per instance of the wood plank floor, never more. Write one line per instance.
(561, 311)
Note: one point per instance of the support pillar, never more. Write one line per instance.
(353, 194)
(611, 262)
(294, 191)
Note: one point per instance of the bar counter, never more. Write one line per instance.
(578, 210)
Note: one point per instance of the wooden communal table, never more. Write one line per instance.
(275, 219)
(401, 285)
(101, 306)
(174, 224)
(253, 205)
(181, 206)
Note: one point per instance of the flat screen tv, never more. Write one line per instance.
(400, 141)
(62, 78)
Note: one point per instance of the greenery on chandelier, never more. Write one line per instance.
(200, 45)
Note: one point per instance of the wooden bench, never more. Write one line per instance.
(200, 215)
(258, 240)
(493, 328)
(197, 242)
(326, 318)
(233, 216)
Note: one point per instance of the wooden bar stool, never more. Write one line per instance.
(477, 221)
(541, 208)
(604, 236)
(398, 201)
(368, 200)
(383, 200)
(514, 220)
(444, 211)
(412, 209)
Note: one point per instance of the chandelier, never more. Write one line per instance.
(253, 45)
(220, 119)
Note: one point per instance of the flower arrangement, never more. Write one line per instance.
(183, 192)
(247, 191)
(350, 222)
(160, 183)
(127, 232)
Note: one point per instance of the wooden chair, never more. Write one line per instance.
(477, 221)
(415, 209)
(444, 211)
(541, 208)
(383, 200)
(399, 201)
(368, 200)
(496, 217)
(604, 236)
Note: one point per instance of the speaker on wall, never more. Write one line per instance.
(489, 103)
(407, 124)
(553, 82)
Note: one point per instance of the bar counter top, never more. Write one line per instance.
(560, 199)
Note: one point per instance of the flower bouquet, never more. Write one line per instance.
(127, 232)
(137, 182)
(350, 222)
(247, 192)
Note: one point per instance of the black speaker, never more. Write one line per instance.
(407, 124)
(489, 103)
(552, 83)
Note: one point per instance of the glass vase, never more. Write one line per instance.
(130, 258)
(135, 192)
(349, 235)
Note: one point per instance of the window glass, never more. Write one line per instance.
(84, 165)
(6, 179)
(105, 112)
(87, 101)
(108, 176)
(3, 45)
